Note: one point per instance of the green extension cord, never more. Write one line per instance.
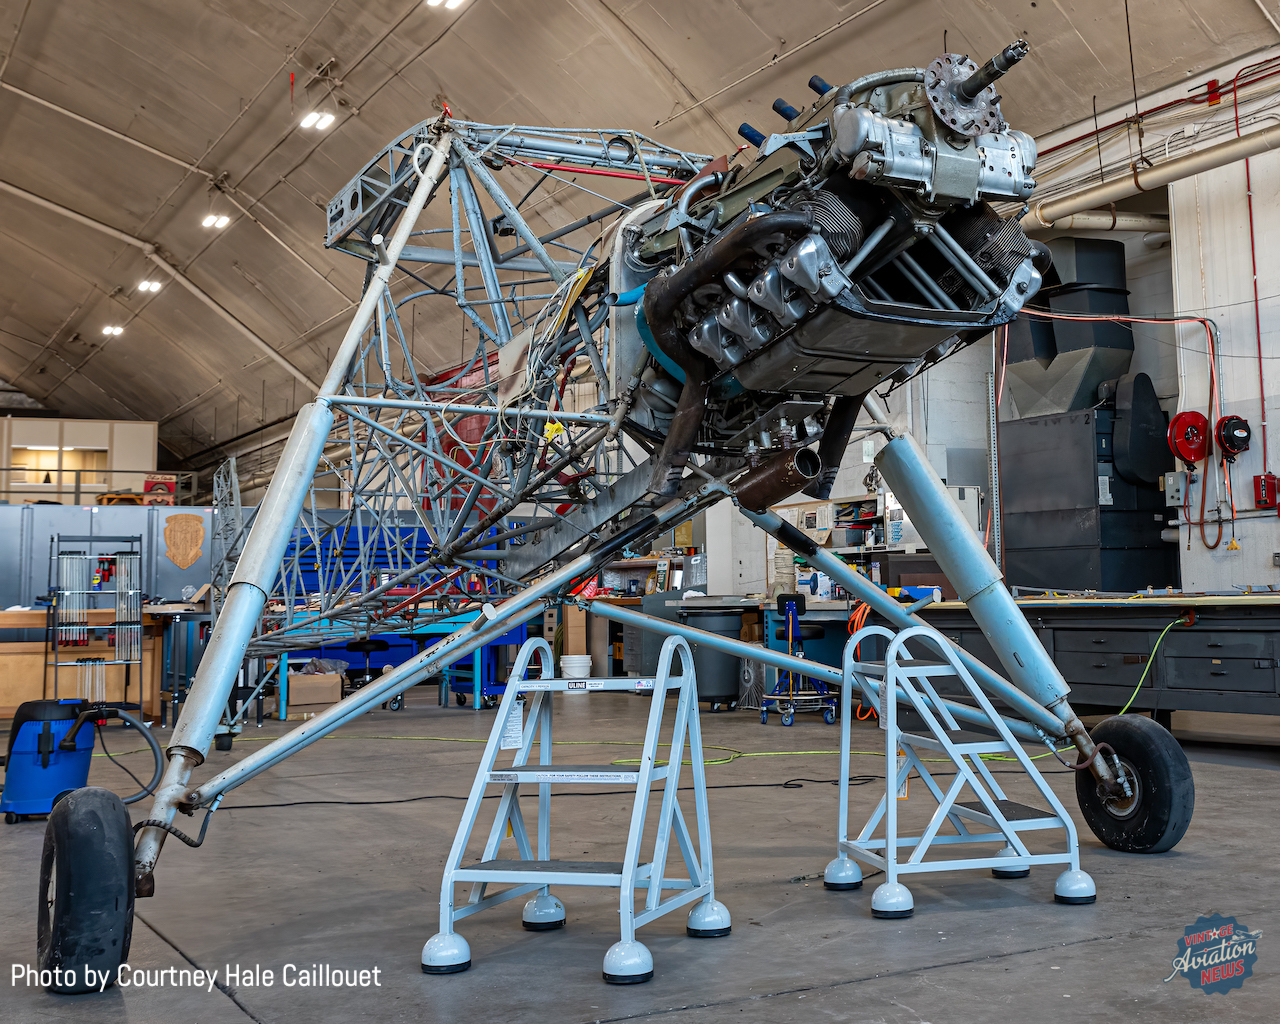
(1150, 661)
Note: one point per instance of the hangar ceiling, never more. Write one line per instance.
(148, 116)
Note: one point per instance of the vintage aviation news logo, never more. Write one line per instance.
(1216, 954)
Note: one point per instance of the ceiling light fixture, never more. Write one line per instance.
(113, 330)
(434, 3)
(149, 286)
(210, 220)
(453, 5)
(326, 119)
(310, 119)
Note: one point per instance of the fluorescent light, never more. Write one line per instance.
(311, 119)
(149, 286)
(222, 221)
(208, 222)
(117, 330)
(42, 447)
(453, 5)
(434, 3)
(326, 119)
(106, 330)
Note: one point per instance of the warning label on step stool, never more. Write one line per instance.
(537, 776)
(513, 730)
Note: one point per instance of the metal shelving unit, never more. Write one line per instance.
(79, 584)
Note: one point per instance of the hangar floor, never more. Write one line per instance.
(357, 886)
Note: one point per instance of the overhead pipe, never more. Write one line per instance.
(1107, 220)
(1043, 215)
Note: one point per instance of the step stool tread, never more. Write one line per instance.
(594, 867)
(1011, 809)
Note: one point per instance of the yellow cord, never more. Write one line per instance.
(733, 752)
(1150, 661)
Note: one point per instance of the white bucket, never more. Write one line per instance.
(575, 666)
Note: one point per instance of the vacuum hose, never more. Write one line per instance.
(97, 716)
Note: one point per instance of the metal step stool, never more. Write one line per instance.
(912, 680)
(517, 728)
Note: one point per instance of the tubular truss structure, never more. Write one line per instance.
(434, 487)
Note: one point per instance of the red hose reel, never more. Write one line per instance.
(1189, 436)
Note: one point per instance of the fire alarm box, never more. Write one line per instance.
(1264, 490)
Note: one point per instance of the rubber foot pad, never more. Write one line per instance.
(445, 968)
(627, 979)
(542, 926)
(707, 933)
(1010, 874)
(1074, 901)
(892, 915)
(841, 886)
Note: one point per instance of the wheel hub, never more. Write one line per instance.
(1123, 807)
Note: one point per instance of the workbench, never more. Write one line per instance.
(1225, 659)
(24, 675)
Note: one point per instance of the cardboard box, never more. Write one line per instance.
(575, 630)
(316, 689)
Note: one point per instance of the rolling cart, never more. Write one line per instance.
(793, 692)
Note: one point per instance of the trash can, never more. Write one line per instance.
(718, 672)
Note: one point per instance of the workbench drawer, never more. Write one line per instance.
(1249, 675)
(1102, 667)
(1217, 644)
(1132, 641)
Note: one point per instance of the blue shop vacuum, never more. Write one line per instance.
(49, 751)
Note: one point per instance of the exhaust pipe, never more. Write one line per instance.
(777, 479)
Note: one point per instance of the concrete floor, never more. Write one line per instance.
(358, 887)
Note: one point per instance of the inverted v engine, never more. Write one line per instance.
(859, 246)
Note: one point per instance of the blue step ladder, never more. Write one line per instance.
(911, 676)
(525, 718)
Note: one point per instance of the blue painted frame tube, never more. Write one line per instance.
(884, 605)
(978, 581)
(786, 662)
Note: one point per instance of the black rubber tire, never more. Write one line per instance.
(1166, 795)
(10, 818)
(223, 741)
(85, 912)
(396, 703)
